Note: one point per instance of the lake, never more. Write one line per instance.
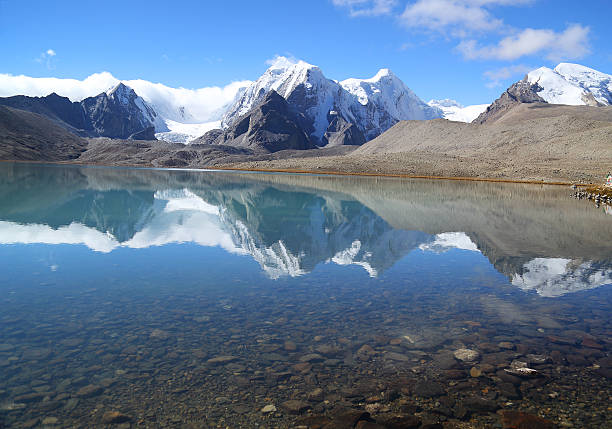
(165, 298)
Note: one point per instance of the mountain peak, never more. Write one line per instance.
(281, 63)
(122, 89)
(384, 72)
(573, 84)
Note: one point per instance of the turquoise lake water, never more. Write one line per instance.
(195, 299)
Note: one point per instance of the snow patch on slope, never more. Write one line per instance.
(453, 111)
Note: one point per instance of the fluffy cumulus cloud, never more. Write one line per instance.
(367, 7)
(199, 105)
(467, 20)
(455, 16)
(570, 44)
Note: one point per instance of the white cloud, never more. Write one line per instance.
(46, 58)
(281, 61)
(200, 105)
(454, 15)
(457, 17)
(462, 19)
(568, 45)
(495, 77)
(367, 7)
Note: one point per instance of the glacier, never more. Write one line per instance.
(454, 111)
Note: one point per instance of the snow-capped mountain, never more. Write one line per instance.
(182, 114)
(573, 84)
(454, 111)
(383, 101)
(373, 105)
(124, 96)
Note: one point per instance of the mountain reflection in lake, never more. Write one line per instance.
(195, 299)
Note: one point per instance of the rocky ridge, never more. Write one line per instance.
(522, 91)
(120, 113)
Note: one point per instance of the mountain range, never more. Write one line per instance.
(294, 111)
(118, 113)
(371, 105)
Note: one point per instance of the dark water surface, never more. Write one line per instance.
(196, 299)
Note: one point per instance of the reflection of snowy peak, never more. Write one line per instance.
(450, 240)
(573, 84)
(342, 232)
(552, 277)
(373, 105)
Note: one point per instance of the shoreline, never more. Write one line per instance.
(400, 176)
(312, 172)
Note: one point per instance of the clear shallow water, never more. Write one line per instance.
(194, 299)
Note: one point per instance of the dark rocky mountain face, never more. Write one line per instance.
(63, 111)
(275, 124)
(270, 126)
(27, 136)
(119, 114)
(520, 92)
(116, 115)
(342, 132)
(209, 138)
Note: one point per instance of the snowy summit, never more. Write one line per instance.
(373, 105)
(573, 84)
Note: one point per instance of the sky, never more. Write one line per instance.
(467, 50)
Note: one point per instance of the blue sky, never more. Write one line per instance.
(469, 50)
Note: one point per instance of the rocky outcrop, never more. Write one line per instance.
(521, 92)
(270, 126)
(27, 136)
(120, 113)
(209, 138)
(146, 134)
(341, 132)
